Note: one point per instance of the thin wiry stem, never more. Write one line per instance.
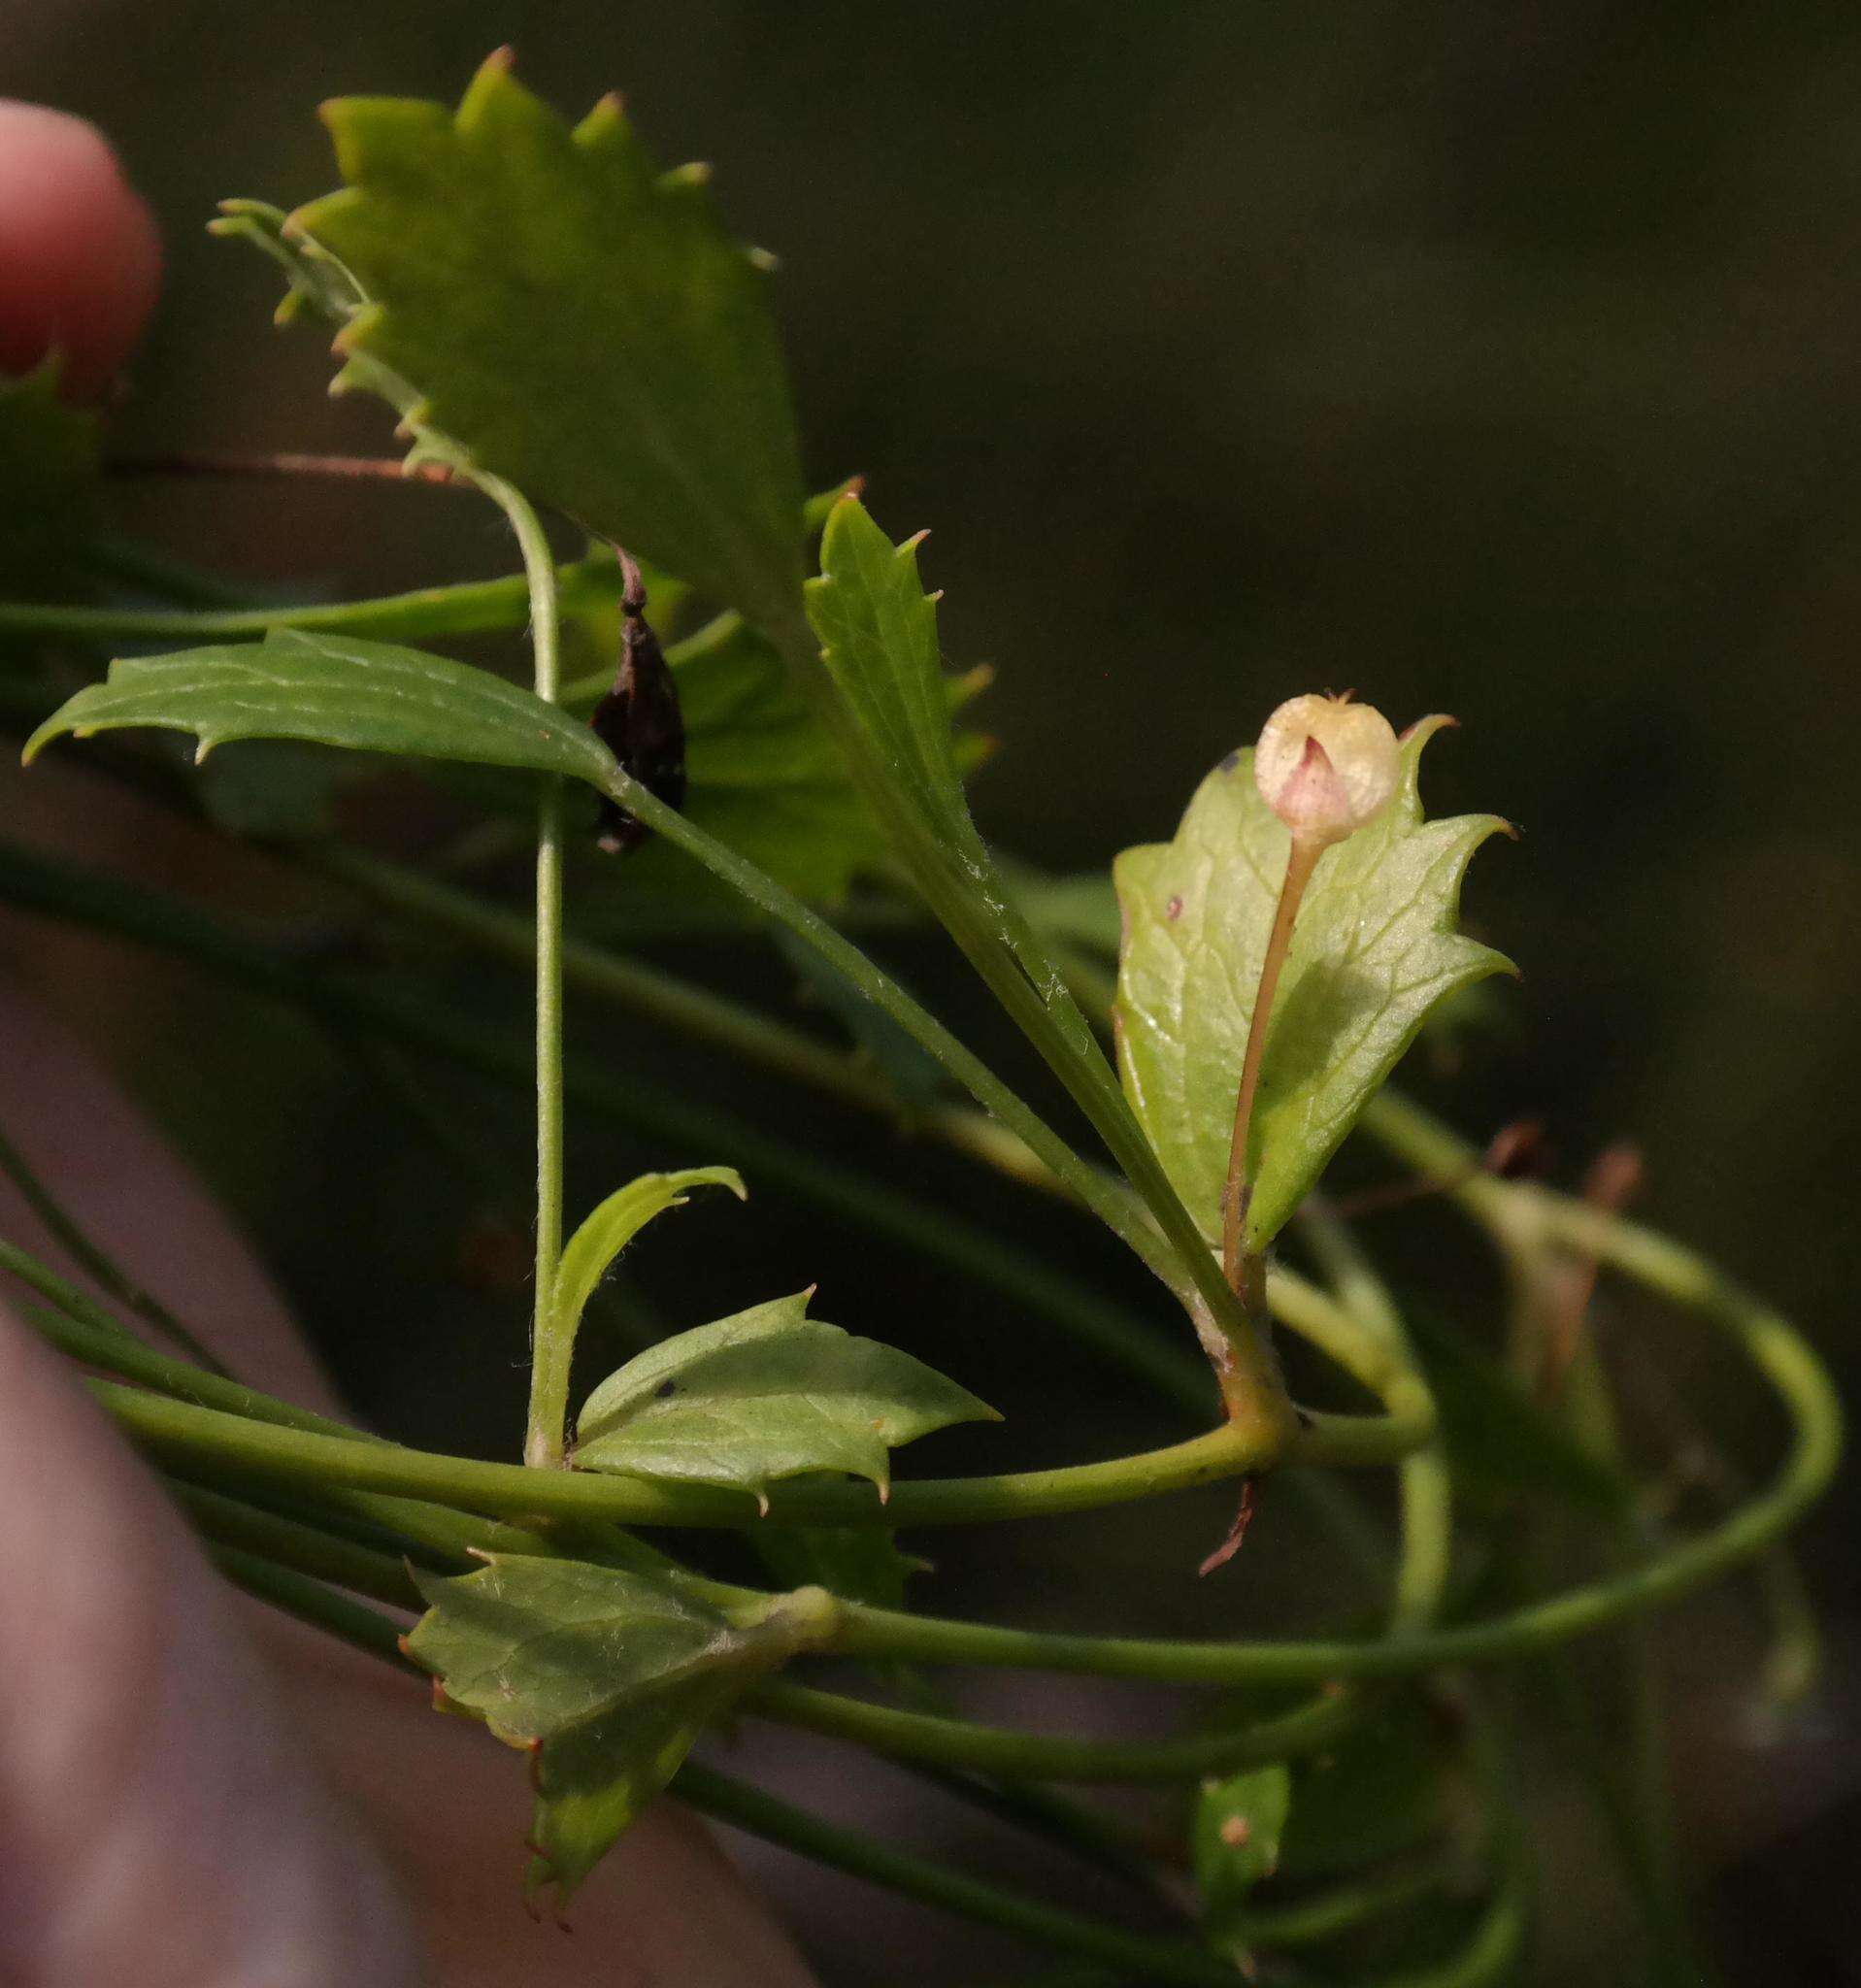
(552, 1338)
(102, 1268)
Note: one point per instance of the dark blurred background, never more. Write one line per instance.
(1500, 360)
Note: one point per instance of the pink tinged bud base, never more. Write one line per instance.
(1326, 765)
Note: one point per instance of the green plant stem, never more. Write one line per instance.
(1039, 1756)
(83, 1329)
(178, 1430)
(1492, 1950)
(103, 1270)
(310, 1600)
(310, 1548)
(552, 1336)
(1165, 1365)
(753, 1038)
(860, 1855)
(306, 1549)
(38, 883)
(1142, 1857)
(1666, 1267)
(1038, 1002)
(1522, 1216)
(1104, 1197)
(1425, 1479)
(1780, 1355)
(1310, 1921)
(476, 607)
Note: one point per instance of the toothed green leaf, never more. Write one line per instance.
(878, 634)
(47, 466)
(314, 281)
(604, 1677)
(577, 321)
(766, 1393)
(1374, 948)
(368, 696)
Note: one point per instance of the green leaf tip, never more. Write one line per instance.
(876, 630)
(766, 1393)
(1374, 948)
(878, 634)
(578, 321)
(366, 696)
(590, 1252)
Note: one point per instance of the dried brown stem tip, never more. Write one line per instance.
(351, 469)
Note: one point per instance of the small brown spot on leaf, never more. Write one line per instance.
(1236, 1831)
(1174, 909)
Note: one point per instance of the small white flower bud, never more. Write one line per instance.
(1326, 765)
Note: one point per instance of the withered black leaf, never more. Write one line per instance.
(639, 720)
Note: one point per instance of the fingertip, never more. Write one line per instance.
(80, 255)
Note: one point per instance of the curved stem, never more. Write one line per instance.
(1308, 1921)
(951, 1743)
(179, 1430)
(1054, 1757)
(1426, 1481)
(1779, 1352)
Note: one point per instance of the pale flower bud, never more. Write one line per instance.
(1326, 765)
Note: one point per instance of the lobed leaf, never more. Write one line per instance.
(577, 321)
(605, 1676)
(368, 696)
(1374, 949)
(766, 1393)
